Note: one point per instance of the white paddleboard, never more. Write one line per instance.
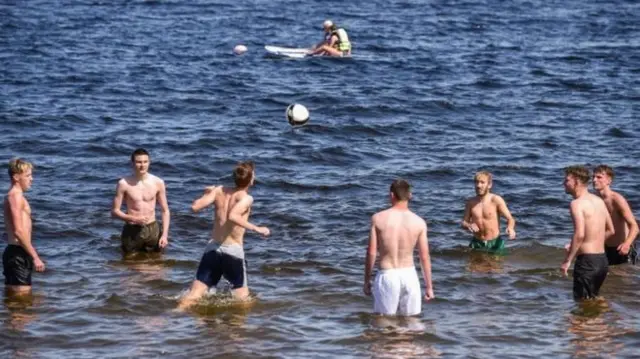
(286, 51)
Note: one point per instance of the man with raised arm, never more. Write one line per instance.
(224, 254)
(141, 192)
(395, 233)
(20, 257)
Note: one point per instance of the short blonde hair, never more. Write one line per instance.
(483, 174)
(18, 166)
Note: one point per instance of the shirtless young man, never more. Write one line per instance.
(140, 192)
(591, 225)
(20, 257)
(395, 233)
(224, 254)
(619, 247)
(481, 216)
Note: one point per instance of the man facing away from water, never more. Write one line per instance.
(395, 233)
(20, 257)
(224, 254)
(140, 192)
(619, 247)
(591, 225)
(482, 216)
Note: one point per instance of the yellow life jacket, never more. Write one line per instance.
(343, 43)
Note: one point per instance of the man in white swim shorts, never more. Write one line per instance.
(395, 233)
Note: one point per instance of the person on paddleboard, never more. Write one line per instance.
(335, 43)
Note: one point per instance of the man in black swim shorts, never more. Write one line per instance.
(20, 257)
(592, 224)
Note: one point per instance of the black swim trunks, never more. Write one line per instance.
(589, 273)
(141, 238)
(227, 261)
(615, 258)
(17, 265)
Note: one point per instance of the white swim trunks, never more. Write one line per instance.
(397, 292)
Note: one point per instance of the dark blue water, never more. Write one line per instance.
(435, 91)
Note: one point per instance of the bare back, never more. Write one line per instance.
(140, 195)
(397, 232)
(590, 218)
(24, 215)
(224, 230)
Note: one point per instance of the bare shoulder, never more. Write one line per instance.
(14, 198)
(157, 180)
(618, 198)
(497, 199)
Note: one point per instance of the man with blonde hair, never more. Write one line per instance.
(482, 216)
(20, 257)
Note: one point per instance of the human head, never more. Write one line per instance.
(327, 25)
(400, 190)
(602, 177)
(574, 178)
(140, 159)
(483, 182)
(244, 174)
(21, 173)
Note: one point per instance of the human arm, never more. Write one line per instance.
(166, 215)
(370, 259)
(237, 212)
(320, 47)
(621, 204)
(425, 262)
(116, 210)
(503, 210)
(206, 199)
(467, 220)
(20, 230)
(578, 236)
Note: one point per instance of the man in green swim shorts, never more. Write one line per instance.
(482, 216)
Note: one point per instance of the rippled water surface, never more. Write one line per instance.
(434, 92)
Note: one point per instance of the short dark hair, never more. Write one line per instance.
(401, 189)
(243, 173)
(604, 169)
(581, 173)
(139, 152)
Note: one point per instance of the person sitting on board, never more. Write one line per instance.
(336, 42)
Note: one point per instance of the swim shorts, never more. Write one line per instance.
(17, 265)
(494, 245)
(616, 258)
(589, 272)
(227, 261)
(141, 238)
(397, 292)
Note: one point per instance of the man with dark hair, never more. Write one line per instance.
(591, 224)
(224, 254)
(619, 247)
(140, 192)
(482, 216)
(395, 233)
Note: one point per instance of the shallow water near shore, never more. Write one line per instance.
(434, 92)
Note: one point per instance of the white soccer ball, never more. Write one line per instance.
(297, 114)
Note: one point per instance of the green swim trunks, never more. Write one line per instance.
(494, 245)
(141, 238)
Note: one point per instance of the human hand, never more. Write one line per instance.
(141, 220)
(565, 268)
(429, 295)
(263, 230)
(511, 233)
(39, 265)
(163, 242)
(367, 288)
(623, 249)
(474, 228)
(209, 189)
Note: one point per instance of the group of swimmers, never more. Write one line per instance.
(603, 235)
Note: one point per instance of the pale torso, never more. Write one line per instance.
(595, 217)
(225, 231)
(140, 196)
(484, 213)
(397, 233)
(25, 217)
(619, 224)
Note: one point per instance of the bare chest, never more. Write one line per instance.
(142, 192)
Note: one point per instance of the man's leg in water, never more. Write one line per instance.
(198, 289)
(241, 293)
